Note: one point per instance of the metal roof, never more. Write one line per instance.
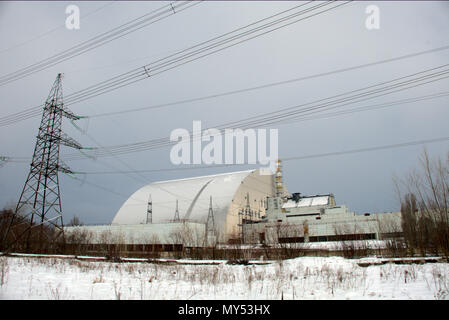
(310, 201)
(193, 195)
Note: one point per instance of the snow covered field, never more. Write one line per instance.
(300, 278)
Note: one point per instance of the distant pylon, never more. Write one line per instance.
(210, 226)
(245, 215)
(150, 210)
(176, 212)
(40, 200)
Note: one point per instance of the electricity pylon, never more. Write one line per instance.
(211, 233)
(40, 200)
(176, 219)
(149, 210)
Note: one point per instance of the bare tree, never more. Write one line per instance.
(18, 234)
(390, 229)
(425, 206)
(75, 221)
(78, 241)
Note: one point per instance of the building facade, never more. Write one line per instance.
(318, 218)
(236, 207)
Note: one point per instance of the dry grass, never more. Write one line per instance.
(4, 268)
(280, 280)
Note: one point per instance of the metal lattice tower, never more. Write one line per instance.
(210, 226)
(245, 216)
(150, 210)
(176, 212)
(40, 200)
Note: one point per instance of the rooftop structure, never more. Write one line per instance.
(190, 200)
(318, 218)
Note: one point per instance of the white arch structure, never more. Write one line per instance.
(229, 194)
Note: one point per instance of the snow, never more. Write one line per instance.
(49, 278)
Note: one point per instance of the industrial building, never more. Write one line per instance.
(192, 200)
(318, 218)
(299, 219)
(236, 207)
(196, 211)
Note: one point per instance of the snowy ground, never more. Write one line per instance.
(300, 278)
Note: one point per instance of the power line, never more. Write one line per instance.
(151, 67)
(370, 107)
(35, 111)
(432, 75)
(443, 94)
(264, 86)
(352, 151)
(139, 178)
(99, 40)
(286, 159)
(134, 174)
(358, 95)
(102, 188)
(162, 170)
(42, 35)
(278, 116)
(182, 57)
(146, 71)
(156, 68)
(295, 158)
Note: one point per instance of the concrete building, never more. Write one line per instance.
(235, 207)
(318, 218)
(156, 211)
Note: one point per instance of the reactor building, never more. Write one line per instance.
(247, 207)
(195, 211)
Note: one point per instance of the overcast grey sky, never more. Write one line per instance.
(334, 40)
